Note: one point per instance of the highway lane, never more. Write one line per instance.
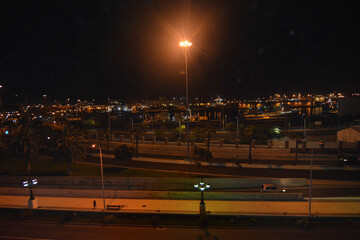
(300, 161)
(318, 192)
(235, 171)
(42, 231)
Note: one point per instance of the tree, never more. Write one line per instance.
(297, 136)
(123, 152)
(138, 132)
(198, 133)
(160, 133)
(209, 129)
(231, 126)
(24, 142)
(68, 146)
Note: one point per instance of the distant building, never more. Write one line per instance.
(349, 106)
(351, 134)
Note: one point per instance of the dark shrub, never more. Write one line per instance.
(123, 152)
(109, 219)
(203, 153)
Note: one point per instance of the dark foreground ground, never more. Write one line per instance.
(53, 230)
(176, 220)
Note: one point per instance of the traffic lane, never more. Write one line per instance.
(328, 191)
(241, 172)
(326, 162)
(37, 231)
(348, 191)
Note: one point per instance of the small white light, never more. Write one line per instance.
(93, 145)
(34, 181)
(25, 183)
(196, 185)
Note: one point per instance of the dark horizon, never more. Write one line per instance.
(129, 49)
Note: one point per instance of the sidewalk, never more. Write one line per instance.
(276, 208)
(242, 165)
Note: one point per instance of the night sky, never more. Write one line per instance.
(130, 49)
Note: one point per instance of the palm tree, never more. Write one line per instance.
(198, 133)
(138, 132)
(24, 142)
(69, 146)
(297, 137)
(209, 129)
(249, 133)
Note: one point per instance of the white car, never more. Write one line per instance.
(270, 188)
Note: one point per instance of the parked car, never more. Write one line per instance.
(270, 188)
(350, 159)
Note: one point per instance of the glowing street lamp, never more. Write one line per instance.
(185, 45)
(32, 202)
(202, 187)
(102, 173)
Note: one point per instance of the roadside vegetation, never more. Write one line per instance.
(46, 166)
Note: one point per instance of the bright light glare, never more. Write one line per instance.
(185, 44)
(93, 145)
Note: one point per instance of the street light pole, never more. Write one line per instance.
(310, 189)
(237, 128)
(187, 44)
(102, 173)
(305, 126)
(202, 187)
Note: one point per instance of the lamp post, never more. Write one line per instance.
(0, 99)
(237, 127)
(202, 187)
(32, 202)
(310, 189)
(102, 173)
(185, 45)
(305, 126)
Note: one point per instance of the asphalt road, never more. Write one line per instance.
(300, 161)
(236, 171)
(42, 231)
(318, 192)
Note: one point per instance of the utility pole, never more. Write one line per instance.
(108, 133)
(311, 162)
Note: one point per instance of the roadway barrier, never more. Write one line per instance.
(151, 184)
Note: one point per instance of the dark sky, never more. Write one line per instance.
(129, 49)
